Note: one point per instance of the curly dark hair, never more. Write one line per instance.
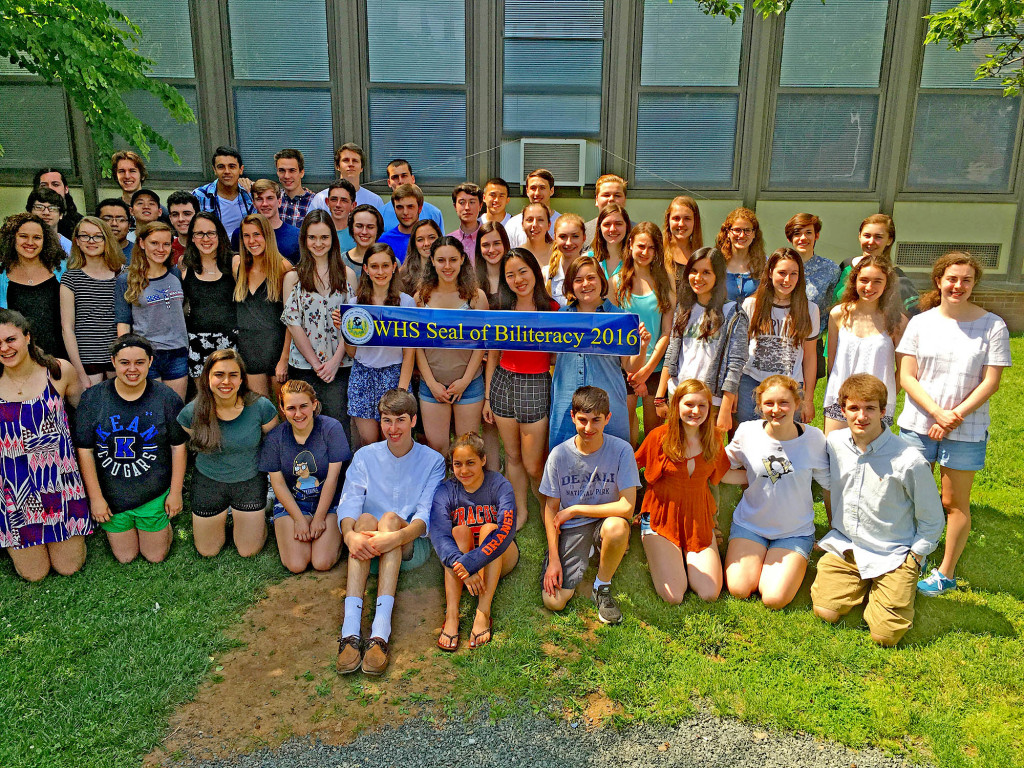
(50, 257)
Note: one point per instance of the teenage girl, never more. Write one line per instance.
(537, 225)
(209, 287)
(742, 243)
(226, 423)
(87, 299)
(424, 233)
(149, 301)
(491, 244)
(259, 270)
(518, 383)
(877, 234)
(472, 528)
(643, 286)
(451, 383)
(586, 290)
(375, 370)
(782, 332)
(683, 233)
(709, 337)
(366, 226)
(677, 521)
(953, 353)
(772, 529)
(864, 329)
(613, 225)
(570, 235)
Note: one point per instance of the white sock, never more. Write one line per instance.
(382, 617)
(598, 583)
(353, 617)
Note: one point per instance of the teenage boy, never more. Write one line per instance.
(407, 200)
(145, 206)
(384, 513)
(469, 200)
(266, 197)
(886, 518)
(589, 486)
(399, 173)
(54, 179)
(295, 198)
(49, 206)
(540, 186)
(129, 170)
(132, 453)
(349, 160)
(341, 196)
(225, 197)
(608, 188)
(116, 213)
(182, 207)
(496, 195)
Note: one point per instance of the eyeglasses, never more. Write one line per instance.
(203, 235)
(44, 208)
(741, 230)
(91, 238)
(114, 219)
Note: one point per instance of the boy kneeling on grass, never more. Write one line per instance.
(590, 484)
(886, 518)
(383, 513)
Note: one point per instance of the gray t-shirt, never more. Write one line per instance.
(574, 477)
(159, 314)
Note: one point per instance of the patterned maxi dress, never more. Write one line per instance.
(42, 498)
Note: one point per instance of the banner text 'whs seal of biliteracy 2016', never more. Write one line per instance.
(602, 333)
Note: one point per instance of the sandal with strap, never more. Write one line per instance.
(474, 637)
(448, 643)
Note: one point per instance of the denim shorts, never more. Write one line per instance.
(169, 364)
(802, 545)
(474, 393)
(307, 508)
(952, 454)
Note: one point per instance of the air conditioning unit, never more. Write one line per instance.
(565, 158)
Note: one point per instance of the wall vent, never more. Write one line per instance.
(921, 256)
(565, 158)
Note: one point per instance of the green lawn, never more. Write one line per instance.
(92, 665)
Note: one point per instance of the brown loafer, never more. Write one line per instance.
(349, 656)
(375, 657)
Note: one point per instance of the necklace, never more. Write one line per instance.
(20, 383)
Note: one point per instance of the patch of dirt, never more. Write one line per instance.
(281, 683)
(599, 708)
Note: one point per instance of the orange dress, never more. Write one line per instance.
(680, 506)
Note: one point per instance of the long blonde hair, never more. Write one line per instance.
(273, 261)
(659, 276)
(138, 270)
(555, 262)
(113, 256)
(674, 443)
(696, 236)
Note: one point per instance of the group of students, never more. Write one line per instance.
(729, 345)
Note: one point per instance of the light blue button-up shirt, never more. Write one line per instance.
(884, 503)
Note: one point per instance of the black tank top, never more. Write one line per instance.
(211, 305)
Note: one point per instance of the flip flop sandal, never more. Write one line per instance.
(449, 646)
(474, 642)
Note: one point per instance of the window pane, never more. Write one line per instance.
(710, 55)
(166, 34)
(552, 114)
(944, 68)
(184, 138)
(270, 119)
(554, 18)
(417, 42)
(577, 65)
(963, 142)
(686, 138)
(823, 141)
(836, 44)
(428, 128)
(271, 40)
(34, 131)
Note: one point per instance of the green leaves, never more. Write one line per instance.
(89, 49)
(998, 21)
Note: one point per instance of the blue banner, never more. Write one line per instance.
(602, 333)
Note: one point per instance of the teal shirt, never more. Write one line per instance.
(238, 457)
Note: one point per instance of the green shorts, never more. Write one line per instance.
(149, 517)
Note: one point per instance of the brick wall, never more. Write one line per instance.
(1009, 305)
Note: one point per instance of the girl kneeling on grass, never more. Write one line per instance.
(226, 423)
(472, 528)
(677, 522)
(773, 525)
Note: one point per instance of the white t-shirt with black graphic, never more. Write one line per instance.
(777, 502)
(775, 353)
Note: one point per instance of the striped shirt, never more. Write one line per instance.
(95, 326)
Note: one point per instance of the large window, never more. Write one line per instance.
(688, 104)
(965, 130)
(282, 95)
(34, 130)
(827, 103)
(417, 90)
